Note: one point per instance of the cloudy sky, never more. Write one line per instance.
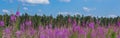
(54, 7)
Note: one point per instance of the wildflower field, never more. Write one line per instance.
(77, 26)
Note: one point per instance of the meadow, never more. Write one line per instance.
(77, 26)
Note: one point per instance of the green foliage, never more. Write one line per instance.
(74, 35)
(89, 34)
(0, 32)
(113, 35)
(59, 20)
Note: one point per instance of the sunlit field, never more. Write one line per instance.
(59, 18)
(77, 26)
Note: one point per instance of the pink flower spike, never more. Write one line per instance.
(17, 13)
(2, 23)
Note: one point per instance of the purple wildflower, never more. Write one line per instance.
(91, 25)
(115, 29)
(118, 23)
(93, 34)
(74, 23)
(76, 28)
(7, 30)
(17, 13)
(22, 27)
(18, 34)
(42, 35)
(50, 26)
(13, 18)
(69, 20)
(29, 23)
(49, 32)
(66, 33)
(98, 22)
(100, 29)
(31, 32)
(7, 33)
(46, 27)
(1, 23)
(82, 31)
(41, 28)
(118, 35)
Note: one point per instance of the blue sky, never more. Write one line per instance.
(107, 8)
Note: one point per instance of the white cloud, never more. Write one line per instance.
(5, 11)
(25, 8)
(63, 13)
(64, 0)
(86, 9)
(112, 15)
(39, 12)
(36, 1)
(69, 13)
(25, 4)
(77, 13)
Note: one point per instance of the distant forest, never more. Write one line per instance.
(61, 20)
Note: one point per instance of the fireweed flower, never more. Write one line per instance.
(50, 26)
(59, 33)
(66, 33)
(18, 34)
(76, 28)
(93, 34)
(118, 36)
(100, 29)
(98, 22)
(31, 32)
(17, 13)
(46, 27)
(1, 23)
(42, 36)
(22, 27)
(74, 23)
(13, 18)
(69, 20)
(82, 31)
(28, 23)
(118, 23)
(49, 33)
(91, 25)
(7, 32)
(62, 33)
(40, 28)
(115, 29)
